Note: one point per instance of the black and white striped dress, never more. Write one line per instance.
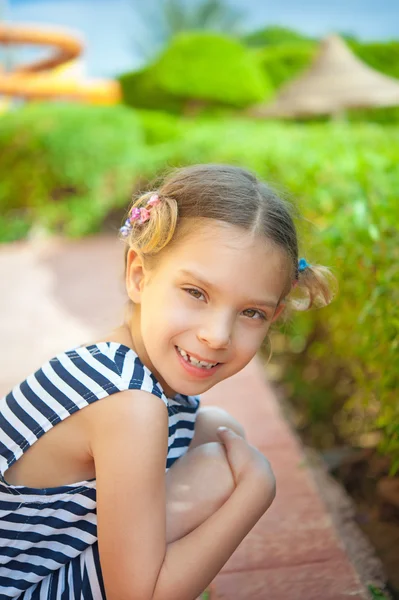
(48, 537)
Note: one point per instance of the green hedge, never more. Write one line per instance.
(66, 170)
(382, 56)
(198, 66)
(141, 89)
(345, 178)
(271, 36)
(63, 167)
(284, 62)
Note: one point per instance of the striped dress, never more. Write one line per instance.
(48, 537)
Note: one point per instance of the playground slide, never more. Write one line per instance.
(43, 79)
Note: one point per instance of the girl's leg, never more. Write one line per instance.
(197, 485)
(200, 481)
(209, 418)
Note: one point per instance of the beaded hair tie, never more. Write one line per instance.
(302, 266)
(139, 214)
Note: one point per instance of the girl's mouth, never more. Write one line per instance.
(195, 367)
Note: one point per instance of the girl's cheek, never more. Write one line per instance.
(250, 339)
(182, 317)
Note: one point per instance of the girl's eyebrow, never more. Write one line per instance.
(211, 286)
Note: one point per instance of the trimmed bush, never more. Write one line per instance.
(284, 62)
(62, 166)
(271, 36)
(207, 66)
(198, 66)
(382, 56)
(160, 127)
(141, 89)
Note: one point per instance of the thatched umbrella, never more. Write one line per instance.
(335, 81)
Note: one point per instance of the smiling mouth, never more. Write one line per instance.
(193, 361)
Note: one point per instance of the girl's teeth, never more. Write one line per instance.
(194, 361)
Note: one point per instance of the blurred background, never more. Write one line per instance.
(98, 98)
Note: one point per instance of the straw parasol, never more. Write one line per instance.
(335, 81)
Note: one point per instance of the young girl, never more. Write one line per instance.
(87, 511)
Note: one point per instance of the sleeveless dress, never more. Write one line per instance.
(48, 537)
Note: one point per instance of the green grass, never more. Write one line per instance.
(376, 593)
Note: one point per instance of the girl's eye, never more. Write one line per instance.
(193, 291)
(260, 315)
(256, 314)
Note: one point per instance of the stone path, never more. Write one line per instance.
(57, 294)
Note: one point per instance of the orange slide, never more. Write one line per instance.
(43, 79)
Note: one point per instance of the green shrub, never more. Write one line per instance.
(160, 127)
(198, 66)
(207, 66)
(345, 178)
(382, 56)
(62, 166)
(383, 115)
(285, 62)
(270, 36)
(141, 89)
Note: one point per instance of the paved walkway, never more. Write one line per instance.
(59, 294)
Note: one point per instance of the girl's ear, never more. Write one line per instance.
(134, 278)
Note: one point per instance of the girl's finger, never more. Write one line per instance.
(226, 434)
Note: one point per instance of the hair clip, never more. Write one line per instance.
(139, 214)
(154, 200)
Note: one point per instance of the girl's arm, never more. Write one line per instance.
(128, 435)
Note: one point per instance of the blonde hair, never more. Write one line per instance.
(235, 196)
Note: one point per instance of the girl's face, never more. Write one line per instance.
(214, 297)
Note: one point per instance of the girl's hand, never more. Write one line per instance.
(246, 462)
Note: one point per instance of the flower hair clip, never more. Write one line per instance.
(139, 214)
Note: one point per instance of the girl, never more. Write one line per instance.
(86, 509)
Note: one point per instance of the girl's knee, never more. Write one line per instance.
(207, 467)
(208, 420)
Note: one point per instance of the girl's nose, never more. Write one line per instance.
(215, 333)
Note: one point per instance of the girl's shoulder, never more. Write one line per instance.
(83, 374)
(104, 368)
(61, 387)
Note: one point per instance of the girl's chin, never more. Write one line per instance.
(187, 388)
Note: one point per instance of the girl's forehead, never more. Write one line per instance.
(222, 239)
(231, 257)
(218, 235)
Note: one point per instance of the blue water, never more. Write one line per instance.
(114, 34)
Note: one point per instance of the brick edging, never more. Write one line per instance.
(294, 551)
